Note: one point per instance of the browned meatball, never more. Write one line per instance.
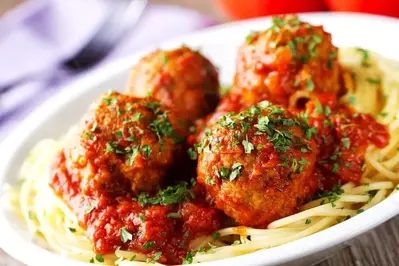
(181, 79)
(257, 165)
(124, 141)
(289, 58)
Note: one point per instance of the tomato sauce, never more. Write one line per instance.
(343, 137)
(161, 232)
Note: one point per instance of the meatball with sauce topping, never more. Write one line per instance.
(125, 141)
(290, 59)
(182, 79)
(228, 104)
(257, 166)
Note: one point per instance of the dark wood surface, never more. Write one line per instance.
(379, 247)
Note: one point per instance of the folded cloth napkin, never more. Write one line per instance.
(36, 37)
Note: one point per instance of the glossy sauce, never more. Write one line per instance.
(152, 229)
(343, 137)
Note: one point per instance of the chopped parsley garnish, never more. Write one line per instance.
(89, 136)
(232, 173)
(146, 150)
(188, 259)
(192, 154)
(174, 215)
(139, 130)
(346, 142)
(248, 146)
(281, 139)
(121, 112)
(244, 126)
(137, 116)
(109, 148)
(365, 57)
(374, 81)
(209, 180)
(312, 45)
(332, 196)
(125, 235)
(303, 162)
(318, 107)
(259, 146)
(224, 171)
(304, 149)
(278, 23)
(161, 126)
(236, 170)
(72, 230)
(92, 205)
(109, 101)
(332, 57)
(215, 235)
(335, 168)
(113, 147)
(263, 122)
(142, 217)
(133, 154)
(309, 132)
(309, 84)
(308, 221)
(359, 211)
(157, 255)
(383, 114)
(131, 138)
(132, 258)
(149, 245)
(128, 107)
(294, 165)
(327, 110)
(99, 258)
(292, 46)
(250, 37)
(226, 121)
(171, 195)
(119, 134)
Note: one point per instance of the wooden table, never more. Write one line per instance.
(378, 247)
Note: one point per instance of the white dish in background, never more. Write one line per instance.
(220, 44)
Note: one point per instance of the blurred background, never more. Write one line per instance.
(45, 44)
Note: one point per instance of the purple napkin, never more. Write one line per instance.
(38, 35)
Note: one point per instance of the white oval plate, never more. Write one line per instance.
(220, 44)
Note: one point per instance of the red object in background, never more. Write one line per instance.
(381, 7)
(242, 9)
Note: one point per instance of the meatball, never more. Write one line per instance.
(290, 58)
(181, 79)
(228, 104)
(257, 166)
(125, 141)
